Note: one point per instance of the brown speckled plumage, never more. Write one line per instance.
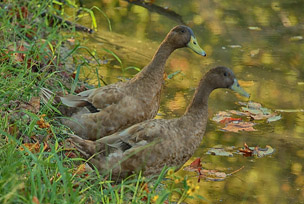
(154, 143)
(121, 105)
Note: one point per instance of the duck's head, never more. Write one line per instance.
(182, 36)
(223, 77)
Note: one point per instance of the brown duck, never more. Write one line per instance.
(155, 143)
(120, 105)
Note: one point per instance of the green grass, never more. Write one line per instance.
(33, 56)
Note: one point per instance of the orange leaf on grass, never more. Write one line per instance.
(42, 123)
(81, 169)
(32, 147)
(35, 200)
(70, 154)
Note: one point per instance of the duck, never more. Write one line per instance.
(99, 112)
(151, 145)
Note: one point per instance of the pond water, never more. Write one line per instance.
(262, 42)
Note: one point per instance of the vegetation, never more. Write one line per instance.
(36, 165)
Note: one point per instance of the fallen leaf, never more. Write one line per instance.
(252, 111)
(240, 113)
(35, 200)
(254, 28)
(219, 152)
(32, 147)
(196, 163)
(274, 118)
(256, 151)
(235, 46)
(229, 119)
(81, 169)
(212, 175)
(290, 110)
(264, 152)
(70, 154)
(194, 166)
(239, 126)
(33, 105)
(42, 123)
(221, 116)
(246, 151)
(296, 38)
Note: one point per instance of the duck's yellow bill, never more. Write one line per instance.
(237, 88)
(195, 47)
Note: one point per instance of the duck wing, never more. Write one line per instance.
(96, 98)
(137, 135)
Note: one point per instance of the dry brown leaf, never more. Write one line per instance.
(247, 152)
(32, 147)
(81, 169)
(240, 126)
(70, 154)
(35, 200)
(33, 105)
(42, 123)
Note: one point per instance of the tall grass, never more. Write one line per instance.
(35, 166)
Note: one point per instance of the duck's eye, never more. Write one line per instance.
(182, 31)
(225, 74)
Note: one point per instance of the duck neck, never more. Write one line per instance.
(199, 103)
(155, 69)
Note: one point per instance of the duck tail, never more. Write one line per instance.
(87, 148)
(75, 101)
(47, 96)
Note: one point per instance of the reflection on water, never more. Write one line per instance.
(262, 41)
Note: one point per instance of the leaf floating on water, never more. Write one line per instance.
(274, 118)
(229, 119)
(246, 151)
(222, 115)
(250, 110)
(264, 152)
(240, 113)
(194, 166)
(254, 28)
(212, 174)
(219, 152)
(235, 46)
(296, 38)
(250, 104)
(256, 151)
(290, 110)
(239, 126)
(196, 163)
